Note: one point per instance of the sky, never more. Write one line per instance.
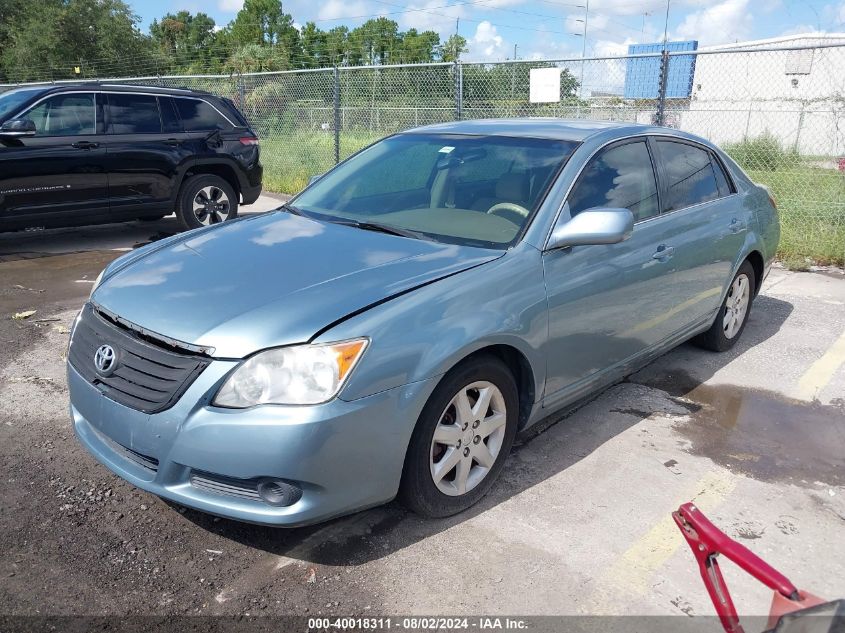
(549, 29)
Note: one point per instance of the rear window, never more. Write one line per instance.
(134, 114)
(200, 116)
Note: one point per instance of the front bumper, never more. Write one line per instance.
(344, 455)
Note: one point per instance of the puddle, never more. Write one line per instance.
(761, 433)
(32, 283)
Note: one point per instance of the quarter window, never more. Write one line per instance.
(64, 115)
(199, 116)
(689, 174)
(621, 177)
(134, 114)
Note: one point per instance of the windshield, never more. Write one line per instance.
(9, 101)
(475, 190)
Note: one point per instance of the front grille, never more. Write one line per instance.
(219, 485)
(147, 377)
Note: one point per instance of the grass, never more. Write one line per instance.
(290, 159)
(811, 205)
(811, 200)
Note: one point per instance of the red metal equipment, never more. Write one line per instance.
(707, 542)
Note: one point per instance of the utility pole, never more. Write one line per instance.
(666, 26)
(584, 44)
(514, 51)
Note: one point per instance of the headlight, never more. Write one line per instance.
(302, 374)
(97, 282)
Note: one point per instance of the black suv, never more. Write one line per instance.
(87, 153)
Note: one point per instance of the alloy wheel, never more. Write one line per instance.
(211, 205)
(468, 438)
(736, 306)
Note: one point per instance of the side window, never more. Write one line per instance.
(198, 116)
(689, 173)
(621, 176)
(725, 188)
(134, 114)
(65, 115)
(169, 118)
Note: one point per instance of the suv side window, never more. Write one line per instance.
(198, 116)
(690, 178)
(133, 114)
(70, 114)
(169, 117)
(621, 176)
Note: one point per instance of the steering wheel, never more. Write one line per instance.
(509, 206)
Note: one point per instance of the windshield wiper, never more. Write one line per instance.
(383, 228)
(292, 209)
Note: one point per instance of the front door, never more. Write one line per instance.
(58, 175)
(608, 303)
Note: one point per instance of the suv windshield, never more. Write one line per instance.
(475, 190)
(9, 101)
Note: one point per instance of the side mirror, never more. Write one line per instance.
(18, 127)
(594, 226)
(314, 179)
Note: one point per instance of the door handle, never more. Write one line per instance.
(175, 142)
(85, 145)
(663, 253)
(736, 226)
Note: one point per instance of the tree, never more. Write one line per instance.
(418, 47)
(99, 36)
(453, 48)
(190, 41)
(263, 22)
(254, 58)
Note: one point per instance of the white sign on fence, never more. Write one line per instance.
(545, 85)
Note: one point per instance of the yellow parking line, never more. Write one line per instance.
(632, 572)
(819, 374)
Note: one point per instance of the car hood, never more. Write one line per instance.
(270, 280)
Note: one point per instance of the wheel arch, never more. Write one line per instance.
(519, 366)
(755, 258)
(220, 169)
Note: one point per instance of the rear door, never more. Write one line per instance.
(707, 221)
(146, 151)
(58, 175)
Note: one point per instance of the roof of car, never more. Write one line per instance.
(118, 87)
(551, 128)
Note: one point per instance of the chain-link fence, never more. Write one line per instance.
(780, 112)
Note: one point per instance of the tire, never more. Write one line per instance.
(418, 490)
(725, 331)
(205, 187)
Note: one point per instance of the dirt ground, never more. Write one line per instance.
(579, 523)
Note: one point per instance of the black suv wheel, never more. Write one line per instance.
(206, 199)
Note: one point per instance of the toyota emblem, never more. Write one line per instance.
(105, 359)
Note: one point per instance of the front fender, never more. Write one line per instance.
(425, 333)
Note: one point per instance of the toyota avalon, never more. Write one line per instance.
(390, 330)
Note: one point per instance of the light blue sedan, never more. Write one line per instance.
(391, 329)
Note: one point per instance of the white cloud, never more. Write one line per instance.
(230, 6)
(722, 22)
(436, 17)
(335, 9)
(486, 44)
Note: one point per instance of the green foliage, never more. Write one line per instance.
(453, 48)
(254, 58)
(763, 152)
(52, 37)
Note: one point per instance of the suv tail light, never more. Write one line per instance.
(248, 140)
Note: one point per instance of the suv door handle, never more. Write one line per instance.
(175, 142)
(85, 145)
(736, 225)
(663, 253)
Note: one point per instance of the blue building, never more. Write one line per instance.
(642, 74)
